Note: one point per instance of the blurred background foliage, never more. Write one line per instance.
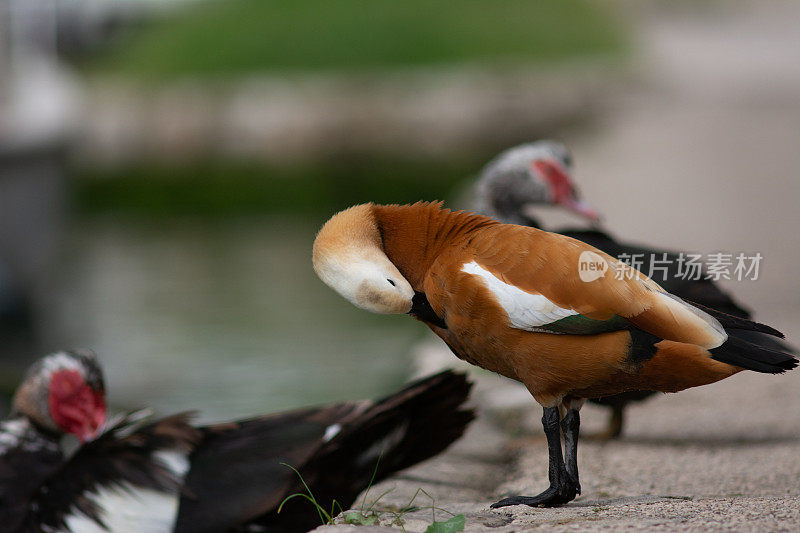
(229, 188)
(239, 39)
(234, 37)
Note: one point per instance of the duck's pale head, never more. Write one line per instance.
(349, 257)
(64, 393)
(529, 175)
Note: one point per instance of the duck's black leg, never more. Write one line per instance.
(616, 422)
(563, 487)
(570, 426)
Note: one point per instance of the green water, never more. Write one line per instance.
(224, 317)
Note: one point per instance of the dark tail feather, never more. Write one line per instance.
(762, 340)
(409, 426)
(735, 322)
(391, 434)
(738, 352)
(237, 476)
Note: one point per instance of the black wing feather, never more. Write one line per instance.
(23, 469)
(399, 431)
(237, 473)
(237, 478)
(123, 453)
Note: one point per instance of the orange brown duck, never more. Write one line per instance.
(515, 300)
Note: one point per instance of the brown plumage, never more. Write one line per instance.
(430, 245)
(512, 299)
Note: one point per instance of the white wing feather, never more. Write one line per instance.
(129, 509)
(525, 310)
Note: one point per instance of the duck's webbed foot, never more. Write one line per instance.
(553, 496)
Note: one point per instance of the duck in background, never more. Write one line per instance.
(513, 300)
(137, 474)
(537, 174)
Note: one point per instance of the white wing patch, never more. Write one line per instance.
(175, 461)
(525, 310)
(12, 433)
(331, 431)
(128, 509)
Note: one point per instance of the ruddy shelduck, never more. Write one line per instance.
(525, 177)
(567, 320)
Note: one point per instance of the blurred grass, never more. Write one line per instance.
(230, 37)
(228, 188)
(223, 38)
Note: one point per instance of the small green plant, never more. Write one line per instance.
(324, 516)
(360, 519)
(371, 514)
(454, 524)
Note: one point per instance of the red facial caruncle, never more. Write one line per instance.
(76, 407)
(562, 189)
